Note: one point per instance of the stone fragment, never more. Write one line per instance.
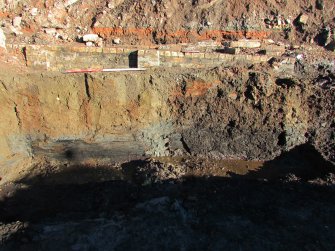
(89, 44)
(90, 38)
(50, 31)
(116, 41)
(34, 11)
(2, 39)
(268, 41)
(303, 19)
(70, 2)
(232, 95)
(17, 21)
(274, 50)
(245, 43)
(99, 43)
(208, 43)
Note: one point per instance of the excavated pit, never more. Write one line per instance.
(170, 159)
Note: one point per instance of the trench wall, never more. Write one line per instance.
(59, 58)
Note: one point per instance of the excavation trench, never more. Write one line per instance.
(102, 152)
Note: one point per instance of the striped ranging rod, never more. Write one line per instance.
(103, 70)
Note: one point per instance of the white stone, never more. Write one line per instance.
(34, 11)
(90, 38)
(17, 21)
(269, 41)
(70, 2)
(116, 41)
(89, 44)
(99, 43)
(2, 39)
(300, 57)
(50, 31)
(245, 43)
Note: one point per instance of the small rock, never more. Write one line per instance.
(232, 95)
(89, 44)
(303, 19)
(50, 31)
(34, 11)
(269, 41)
(17, 21)
(208, 23)
(64, 37)
(116, 41)
(90, 38)
(295, 46)
(70, 2)
(99, 43)
(2, 39)
(299, 57)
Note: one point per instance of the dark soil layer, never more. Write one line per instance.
(275, 208)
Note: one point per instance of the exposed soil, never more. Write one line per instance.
(176, 204)
(236, 157)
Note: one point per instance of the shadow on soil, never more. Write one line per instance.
(193, 213)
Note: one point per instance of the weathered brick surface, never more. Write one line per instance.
(150, 58)
(245, 43)
(58, 58)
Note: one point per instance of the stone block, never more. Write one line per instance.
(90, 38)
(167, 53)
(141, 52)
(119, 50)
(245, 43)
(303, 19)
(149, 59)
(274, 50)
(222, 56)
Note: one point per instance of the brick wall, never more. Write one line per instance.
(59, 58)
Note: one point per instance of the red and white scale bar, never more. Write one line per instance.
(103, 70)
